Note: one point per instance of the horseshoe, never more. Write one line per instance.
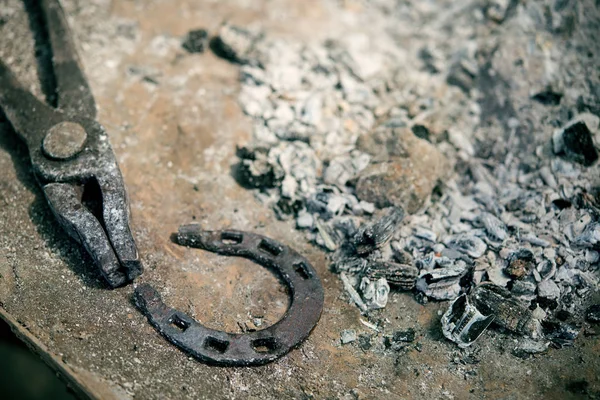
(253, 348)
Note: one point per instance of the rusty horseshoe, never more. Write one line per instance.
(253, 348)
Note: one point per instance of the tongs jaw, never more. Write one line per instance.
(70, 154)
(86, 229)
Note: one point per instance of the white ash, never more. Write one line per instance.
(305, 220)
(347, 336)
(516, 183)
(375, 293)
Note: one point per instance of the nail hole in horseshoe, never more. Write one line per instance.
(215, 344)
(301, 270)
(264, 345)
(178, 323)
(231, 237)
(269, 247)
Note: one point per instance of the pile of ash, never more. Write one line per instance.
(461, 168)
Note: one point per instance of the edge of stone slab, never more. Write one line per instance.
(83, 383)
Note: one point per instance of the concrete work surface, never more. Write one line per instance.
(174, 122)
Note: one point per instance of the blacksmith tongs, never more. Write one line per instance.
(72, 157)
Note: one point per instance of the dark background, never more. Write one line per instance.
(23, 375)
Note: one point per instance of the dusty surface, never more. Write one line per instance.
(174, 120)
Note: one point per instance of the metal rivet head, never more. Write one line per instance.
(64, 140)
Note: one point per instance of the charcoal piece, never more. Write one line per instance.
(559, 333)
(401, 276)
(441, 283)
(352, 265)
(548, 97)
(590, 237)
(426, 234)
(520, 264)
(467, 243)
(234, 43)
(549, 304)
(576, 144)
(400, 255)
(257, 170)
(427, 263)
(592, 314)
(399, 339)
(421, 131)
(563, 315)
(375, 293)
(509, 312)
(287, 206)
(364, 342)
(523, 289)
(470, 356)
(495, 228)
(407, 335)
(258, 174)
(561, 204)
(195, 41)
(462, 323)
(317, 204)
(528, 347)
(346, 226)
(373, 236)
(546, 269)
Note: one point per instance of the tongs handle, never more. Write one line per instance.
(29, 117)
(73, 90)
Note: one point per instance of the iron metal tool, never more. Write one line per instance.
(72, 157)
(252, 348)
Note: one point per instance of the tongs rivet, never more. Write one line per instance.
(64, 140)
